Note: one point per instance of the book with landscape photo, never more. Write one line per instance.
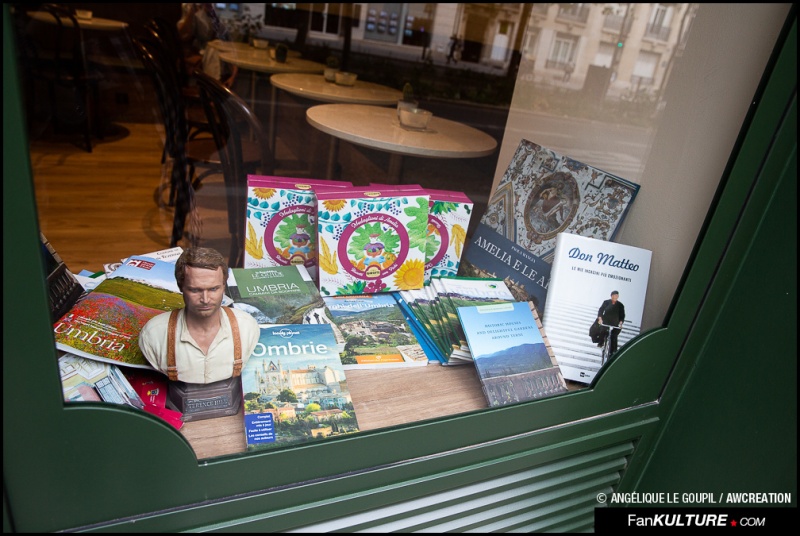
(106, 323)
(585, 273)
(458, 292)
(295, 389)
(277, 295)
(376, 334)
(510, 352)
(541, 194)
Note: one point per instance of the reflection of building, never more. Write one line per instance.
(311, 384)
(612, 48)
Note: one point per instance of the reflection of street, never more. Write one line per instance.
(617, 149)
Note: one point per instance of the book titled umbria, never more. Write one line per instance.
(295, 389)
(277, 295)
(585, 273)
(511, 353)
(106, 323)
(541, 194)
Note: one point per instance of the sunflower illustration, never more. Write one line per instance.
(263, 193)
(334, 205)
(410, 275)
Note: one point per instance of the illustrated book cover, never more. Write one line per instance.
(295, 389)
(376, 334)
(281, 222)
(106, 323)
(541, 194)
(277, 295)
(448, 220)
(585, 273)
(510, 352)
(371, 240)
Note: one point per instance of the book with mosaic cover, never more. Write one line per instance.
(371, 239)
(280, 221)
(541, 194)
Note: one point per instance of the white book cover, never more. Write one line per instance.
(585, 272)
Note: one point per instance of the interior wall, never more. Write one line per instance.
(707, 99)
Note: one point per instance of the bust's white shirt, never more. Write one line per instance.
(193, 365)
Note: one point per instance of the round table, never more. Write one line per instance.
(94, 23)
(378, 127)
(315, 87)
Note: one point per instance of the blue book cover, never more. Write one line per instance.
(294, 388)
(511, 354)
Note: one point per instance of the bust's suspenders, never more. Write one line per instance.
(172, 369)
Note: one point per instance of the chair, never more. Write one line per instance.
(184, 152)
(59, 59)
(243, 150)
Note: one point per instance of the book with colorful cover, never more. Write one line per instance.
(277, 295)
(280, 225)
(448, 220)
(106, 323)
(376, 334)
(541, 194)
(420, 331)
(585, 273)
(421, 306)
(295, 388)
(463, 291)
(511, 354)
(371, 240)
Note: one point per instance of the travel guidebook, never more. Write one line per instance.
(106, 323)
(281, 221)
(371, 240)
(87, 380)
(295, 389)
(585, 273)
(510, 352)
(277, 295)
(541, 194)
(376, 334)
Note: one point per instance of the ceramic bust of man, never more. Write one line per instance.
(203, 342)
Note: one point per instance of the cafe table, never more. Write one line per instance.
(378, 127)
(314, 87)
(258, 60)
(92, 23)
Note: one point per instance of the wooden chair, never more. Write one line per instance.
(243, 149)
(58, 57)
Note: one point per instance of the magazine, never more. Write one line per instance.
(106, 323)
(510, 351)
(376, 334)
(585, 273)
(295, 389)
(86, 380)
(541, 194)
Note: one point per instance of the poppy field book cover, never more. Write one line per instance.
(106, 323)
